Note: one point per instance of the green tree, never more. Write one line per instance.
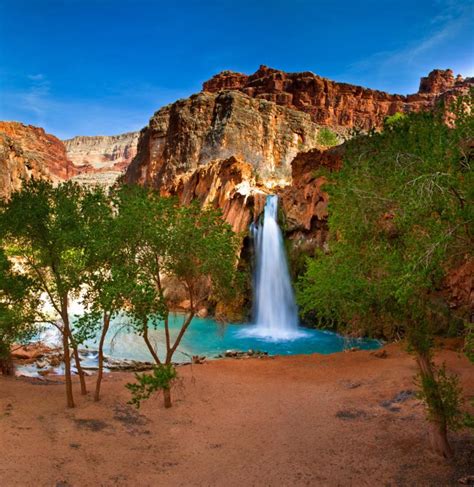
(107, 277)
(17, 311)
(43, 225)
(174, 247)
(400, 219)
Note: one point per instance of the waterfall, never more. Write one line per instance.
(275, 311)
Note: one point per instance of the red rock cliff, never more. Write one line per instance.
(27, 151)
(332, 103)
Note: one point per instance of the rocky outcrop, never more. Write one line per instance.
(101, 160)
(27, 152)
(193, 132)
(227, 184)
(102, 153)
(245, 136)
(439, 81)
(339, 105)
(305, 203)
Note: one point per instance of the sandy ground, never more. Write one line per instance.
(290, 421)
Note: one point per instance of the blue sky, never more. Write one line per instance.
(97, 67)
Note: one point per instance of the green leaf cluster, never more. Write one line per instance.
(327, 138)
(161, 378)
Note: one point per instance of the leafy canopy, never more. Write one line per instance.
(401, 216)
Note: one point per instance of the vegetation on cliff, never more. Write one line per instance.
(400, 218)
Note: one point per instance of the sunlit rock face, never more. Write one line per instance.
(101, 159)
(228, 184)
(247, 136)
(208, 126)
(339, 105)
(27, 152)
(99, 153)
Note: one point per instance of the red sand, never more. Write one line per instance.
(290, 421)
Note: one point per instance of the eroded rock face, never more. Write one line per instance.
(228, 184)
(101, 160)
(339, 105)
(225, 145)
(439, 81)
(102, 153)
(26, 152)
(193, 132)
(304, 201)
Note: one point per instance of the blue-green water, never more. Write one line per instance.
(209, 338)
(203, 337)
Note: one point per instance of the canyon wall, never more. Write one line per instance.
(100, 153)
(26, 152)
(197, 147)
(101, 159)
(334, 104)
(209, 126)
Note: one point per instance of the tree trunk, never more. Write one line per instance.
(101, 356)
(67, 367)
(67, 357)
(148, 343)
(80, 370)
(438, 427)
(167, 397)
(439, 439)
(6, 366)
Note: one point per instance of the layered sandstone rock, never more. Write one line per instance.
(228, 184)
(197, 148)
(26, 152)
(193, 132)
(102, 153)
(339, 105)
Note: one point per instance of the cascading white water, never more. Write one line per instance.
(275, 311)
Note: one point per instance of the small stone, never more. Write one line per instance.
(380, 354)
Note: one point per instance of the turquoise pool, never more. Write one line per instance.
(209, 338)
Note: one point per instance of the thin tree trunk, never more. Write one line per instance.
(182, 331)
(105, 329)
(438, 427)
(67, 364)
(167, 397)
(148, 343)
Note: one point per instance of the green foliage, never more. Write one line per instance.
(394, 119)
(399, 217)
(327, 138)
(442, 395)
(43, 226)
(17, 318)
(161, 238)
(161, 378)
